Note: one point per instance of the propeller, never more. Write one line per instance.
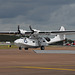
(31, 29)
(18, 29)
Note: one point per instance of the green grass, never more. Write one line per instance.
(7, 47)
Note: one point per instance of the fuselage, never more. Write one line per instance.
(29, 42)
(25, 42)
(34, 41)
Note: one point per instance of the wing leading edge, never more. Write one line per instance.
(39, 33)
(62, 31)
(9, 32)
(57, 33)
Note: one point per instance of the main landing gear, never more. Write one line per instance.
(20, 48)
(42, 47)
(26, 48)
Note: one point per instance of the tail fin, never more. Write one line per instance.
(62, 28)
(60, 36)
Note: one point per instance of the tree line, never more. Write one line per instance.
(12, 38)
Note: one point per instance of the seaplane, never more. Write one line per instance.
(37, 38)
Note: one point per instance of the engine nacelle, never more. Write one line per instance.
(22, 31)
(36, 31)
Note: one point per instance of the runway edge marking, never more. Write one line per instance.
(33, 67)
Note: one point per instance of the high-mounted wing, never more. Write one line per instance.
(38, 32)
(9, 32)
(61, 31)
(68, 32)
(19, 31)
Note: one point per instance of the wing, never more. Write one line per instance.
(28, 33)
(9, 32)
(69, 32)
(21, 32)
(59, 32)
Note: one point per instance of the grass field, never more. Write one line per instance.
(7, 47)
(50, 46)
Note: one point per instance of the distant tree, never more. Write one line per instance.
(68, 40)
(4, 38)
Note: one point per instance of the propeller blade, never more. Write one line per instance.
(31, 29)
(18, 29)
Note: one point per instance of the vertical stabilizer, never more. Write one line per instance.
(62, 28)
(61, 36)
(58, 37)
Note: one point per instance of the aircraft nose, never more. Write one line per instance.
(16, 41)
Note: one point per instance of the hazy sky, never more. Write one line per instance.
(40, 14)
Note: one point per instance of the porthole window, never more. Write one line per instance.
(33, 41)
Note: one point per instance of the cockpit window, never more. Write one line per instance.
(47, 39)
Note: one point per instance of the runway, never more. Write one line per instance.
(21, 62)
(55, 51)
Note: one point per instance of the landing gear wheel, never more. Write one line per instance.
(20, 48)
(26, 48)
(42, 47)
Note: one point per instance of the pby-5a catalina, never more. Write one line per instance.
(35, 39)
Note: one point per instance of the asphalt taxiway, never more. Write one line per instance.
(55, 51)
(15, 62)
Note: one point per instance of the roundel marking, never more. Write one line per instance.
(25, 41)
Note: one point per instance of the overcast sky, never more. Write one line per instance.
(40, 14)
